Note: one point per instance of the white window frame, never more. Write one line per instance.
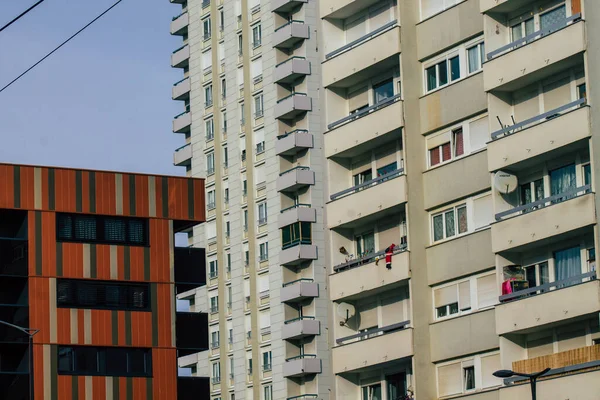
(211, 195)
(213, 269)
(269, 357)
(480, 53)
(256, 34)
(262, 213)
(268, 392)
(263, 251)
(443, 212)
(259, 106)
(209, 127)
(210, 162)
(208, 96)
(214, 304)
(206, 28)
(475, 361)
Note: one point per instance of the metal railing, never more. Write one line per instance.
(213, 274)
(539, 204)
(296, 242)
(187, 110)
(180, 48)
(369, 258)
(510, 129)
(368, 110)
(289, 321)
(379, 179)
(258, 79)
(259, 114)
(214, 345)
(294, 21)
(182, 147)
(299, 168)
(546, 287)
(533, 36)
(211, 206)
(299, 205)
(291, 95)
(290, 59)
(214, 309)
(262, 221)
(216, 380)
(177, 16)
(292, 132)
(266, 367)
(375, 331)
(256, 43)
(301, 356)
(310, 280)
(362, 39)
(180, 81)
(210, 171)
(208, 103)
(264, 294)
(303, 396)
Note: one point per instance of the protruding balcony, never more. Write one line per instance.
(287, 35)
(543, 219)
(181, 89)
(510, 67)
(285, 6)
(364, 276)
(297, 213)
(190, 268)
(179, 25)
(291, 143)
(294, 179)
(182, 123)
(365, 129)
(299, 290)
(298, 254)
(293, 105)
(373, 347)
(177, 1)
(191, 332)
(183, 156)
(306, 364)
(367, 200)
(299, 328)
(342, 9)
(192, 387)
(181, 57)
(291, 69)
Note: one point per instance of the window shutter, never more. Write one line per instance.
(355, 28)
(464, 295)
(206, 59)
(490, 364)
(265, 319)
(526, 105)
(445, 296)
(483, 212)
(449, 379)
(221, 50)
(246, 287)
(256, 68)
(211, 229)
(240, 77)
(446, 152)
(258, 136)
(557, 94)
(479, 133)
(259, 176)
(487, 294)
(358, 98)
(263, 283)
(367, 315)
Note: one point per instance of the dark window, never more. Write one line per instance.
(79, 293)
(102, 229)
(296, 233)
(104, 361)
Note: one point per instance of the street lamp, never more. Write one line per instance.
(30, 333)
(507, 373)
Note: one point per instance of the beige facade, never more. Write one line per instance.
(402, 193)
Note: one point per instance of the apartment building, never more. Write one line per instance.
(90, 273)
(441, 164)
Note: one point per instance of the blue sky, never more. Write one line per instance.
(103, 100)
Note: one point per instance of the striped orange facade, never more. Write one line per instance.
(169, 204)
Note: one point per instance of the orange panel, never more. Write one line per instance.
(575, 6)
(122, 388)
(103, 261)
(136, 263)
(6, 186)
(141, 329)
(63, 324)
(126, 195)
(27, 188)
(80, 326)
(164, 314)
(81, 386)
(101, 327)
(65, 190)
(121, 330)
(48, 244)
(158, 195)
(105, 193)
(38, 370)
(141, 195)
(65, 385)
(85, 191)
(39, 311)
(98, 387)
(73, 260)
(199, 200)
(159, 251)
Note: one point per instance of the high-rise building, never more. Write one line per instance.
(89, 272)
(429, 207)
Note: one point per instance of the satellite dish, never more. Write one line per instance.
(505, 182)
(345, 311)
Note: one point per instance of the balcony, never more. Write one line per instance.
(183, 156)
(192, 387)
(539, 135)
(299, 366)
(293, 105)
(299, 328)
(299, 290)
(285, 6)
(191, 331)
(181, 57)
(370, 200)
(364, 350)
(364, 277)
(297, 213)
(298, 254)
(291, 69)
(293, 142)
(182, 123)
(179, 25)
(289, 34)
(543, 219)
(190, 268)
(366, 129)
(341, 9)
(512, 66)
(557, 301)
(181, 89)
(375, 48)
(294, 179)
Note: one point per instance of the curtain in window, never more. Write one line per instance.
(561, 180)
(553, 17)
(567, 263)
(587, 175)
(462, 219)
(459, 148)
(369, 242)
(473, 55)
(438, 227)
(450, 229)
(469, 378)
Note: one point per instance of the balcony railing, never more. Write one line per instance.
(379, 179)
(180, 48)
(300, 168)
(214, 345)
(292, 132)
(299, 205)
(301, 356)
(289, 321)
(179, 82)
(570, 358)
(177, 16)
(558, 372)
(374, 332)
(510, 129)
(366, 111)
(362, 39)
(303, 397)
(536, 205)
(368, 258)
(296, 242)
(262, 221)
(187, 110)
(291, 95)
(294, 21)
(533, 36)
(214, 309)
(213, 274)
(546, 287)
(290, 59)
(298, 280)
(216, 380)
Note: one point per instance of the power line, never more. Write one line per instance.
(20, 15)
(61, 45)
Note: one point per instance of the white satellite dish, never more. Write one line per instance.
(505, 182)
(345, 311)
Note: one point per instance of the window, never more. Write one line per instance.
(210, 202)
(256, 36)
(216, 372)
(75, 293)
(582, 91)
(365, 244)
(470, 374)
(458, 147)
(372, 392)
(214, 339)
(383, 90)
(469, 378)
(263, 252)
(268, 392)
(210, 163)
(208, 96)
(260, 147)
(245, 220)
(476, 55)
(225, 157)
(209, 125)
(104, 361)
(240, 49)
(221, 20)
(296, 233)
(461, 140)
(213, 269)
(440, 154)
(267, 361)
(449, 223)
(464, 296)
(262, 213)
(101, 229)
(226, 195)
(223, 88)
(258, 106)
(214, 304)
(362, 177)
(206, 28)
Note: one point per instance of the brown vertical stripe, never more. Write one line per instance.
(165, 197)
(51, 189)
(190, 193)
(148, 388)
(78, 189)
(146, 264)
(127, 263)
(93, 262)
(59, 259)
(38, 243)
(92, 193)
(115, 388)
(154, 305)
(17, 186)
(75, 387)
(132, 210)
(54, 372)
(114, 316)
(128, 328)
(129, 381)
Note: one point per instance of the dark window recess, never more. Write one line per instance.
(102, 229)
(104, 361)
(79, 293)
